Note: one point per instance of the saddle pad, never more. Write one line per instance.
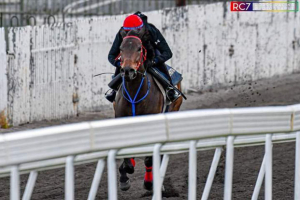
(175, 75)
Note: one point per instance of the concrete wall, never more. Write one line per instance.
(50, 69)
(3, 77)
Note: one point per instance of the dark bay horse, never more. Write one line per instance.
(138, 95)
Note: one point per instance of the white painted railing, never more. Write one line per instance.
(37, 150)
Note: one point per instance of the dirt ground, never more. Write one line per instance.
(275, 91)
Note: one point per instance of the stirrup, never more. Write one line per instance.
(110, 96)
(172, 97)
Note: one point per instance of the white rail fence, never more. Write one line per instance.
(37, 150)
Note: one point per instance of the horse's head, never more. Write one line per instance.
(133, 55)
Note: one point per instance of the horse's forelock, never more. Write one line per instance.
(133, 33)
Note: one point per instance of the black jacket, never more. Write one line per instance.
(157, 40)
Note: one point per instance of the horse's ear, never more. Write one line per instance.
(123, 32)
(142, 32)
(145, 35)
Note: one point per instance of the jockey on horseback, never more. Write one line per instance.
(137, 22)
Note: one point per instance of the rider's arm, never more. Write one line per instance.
(115, 51)
(162, 45)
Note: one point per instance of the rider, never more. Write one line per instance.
(137, 21)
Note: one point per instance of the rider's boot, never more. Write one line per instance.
(172, 94)
(111, 96)
(114, 85)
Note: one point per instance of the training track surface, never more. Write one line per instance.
(275, 91)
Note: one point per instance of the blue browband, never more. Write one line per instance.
(133, 28)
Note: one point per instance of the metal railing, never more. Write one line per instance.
(37, 150)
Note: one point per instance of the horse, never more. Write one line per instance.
(138, 95)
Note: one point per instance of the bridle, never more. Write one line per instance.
(133, 101)
(143, 55)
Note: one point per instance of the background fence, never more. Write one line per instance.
(50, 68)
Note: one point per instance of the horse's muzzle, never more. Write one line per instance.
(128, 73)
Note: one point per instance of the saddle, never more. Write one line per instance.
(161, 79)
(175, 76)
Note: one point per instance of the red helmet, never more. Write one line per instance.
(132, 22)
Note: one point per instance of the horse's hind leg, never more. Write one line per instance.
(127, 167)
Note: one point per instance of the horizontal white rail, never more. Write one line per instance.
(37, 150)
(60, 141)
(170, 148)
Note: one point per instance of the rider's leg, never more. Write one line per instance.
(112, 95)
(171, 93)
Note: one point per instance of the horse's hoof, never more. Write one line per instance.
(148, 185)
(125, 186)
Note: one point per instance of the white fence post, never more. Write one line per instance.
(30, 185)
(268, 167)
(297, 167)
(260, 180)
(212, 173)
(192, 171)
(157, 183)
(164, 166)
(14, 183)
(70, 182)
(112, 175)
(97, 179)
(229, 168)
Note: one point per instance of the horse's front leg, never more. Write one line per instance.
(127, 167)
(148, 178)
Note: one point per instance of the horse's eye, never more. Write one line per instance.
(140, 49)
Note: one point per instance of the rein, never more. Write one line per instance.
(143, 57)
(134, 101)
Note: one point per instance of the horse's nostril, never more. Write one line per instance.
(122, 70)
